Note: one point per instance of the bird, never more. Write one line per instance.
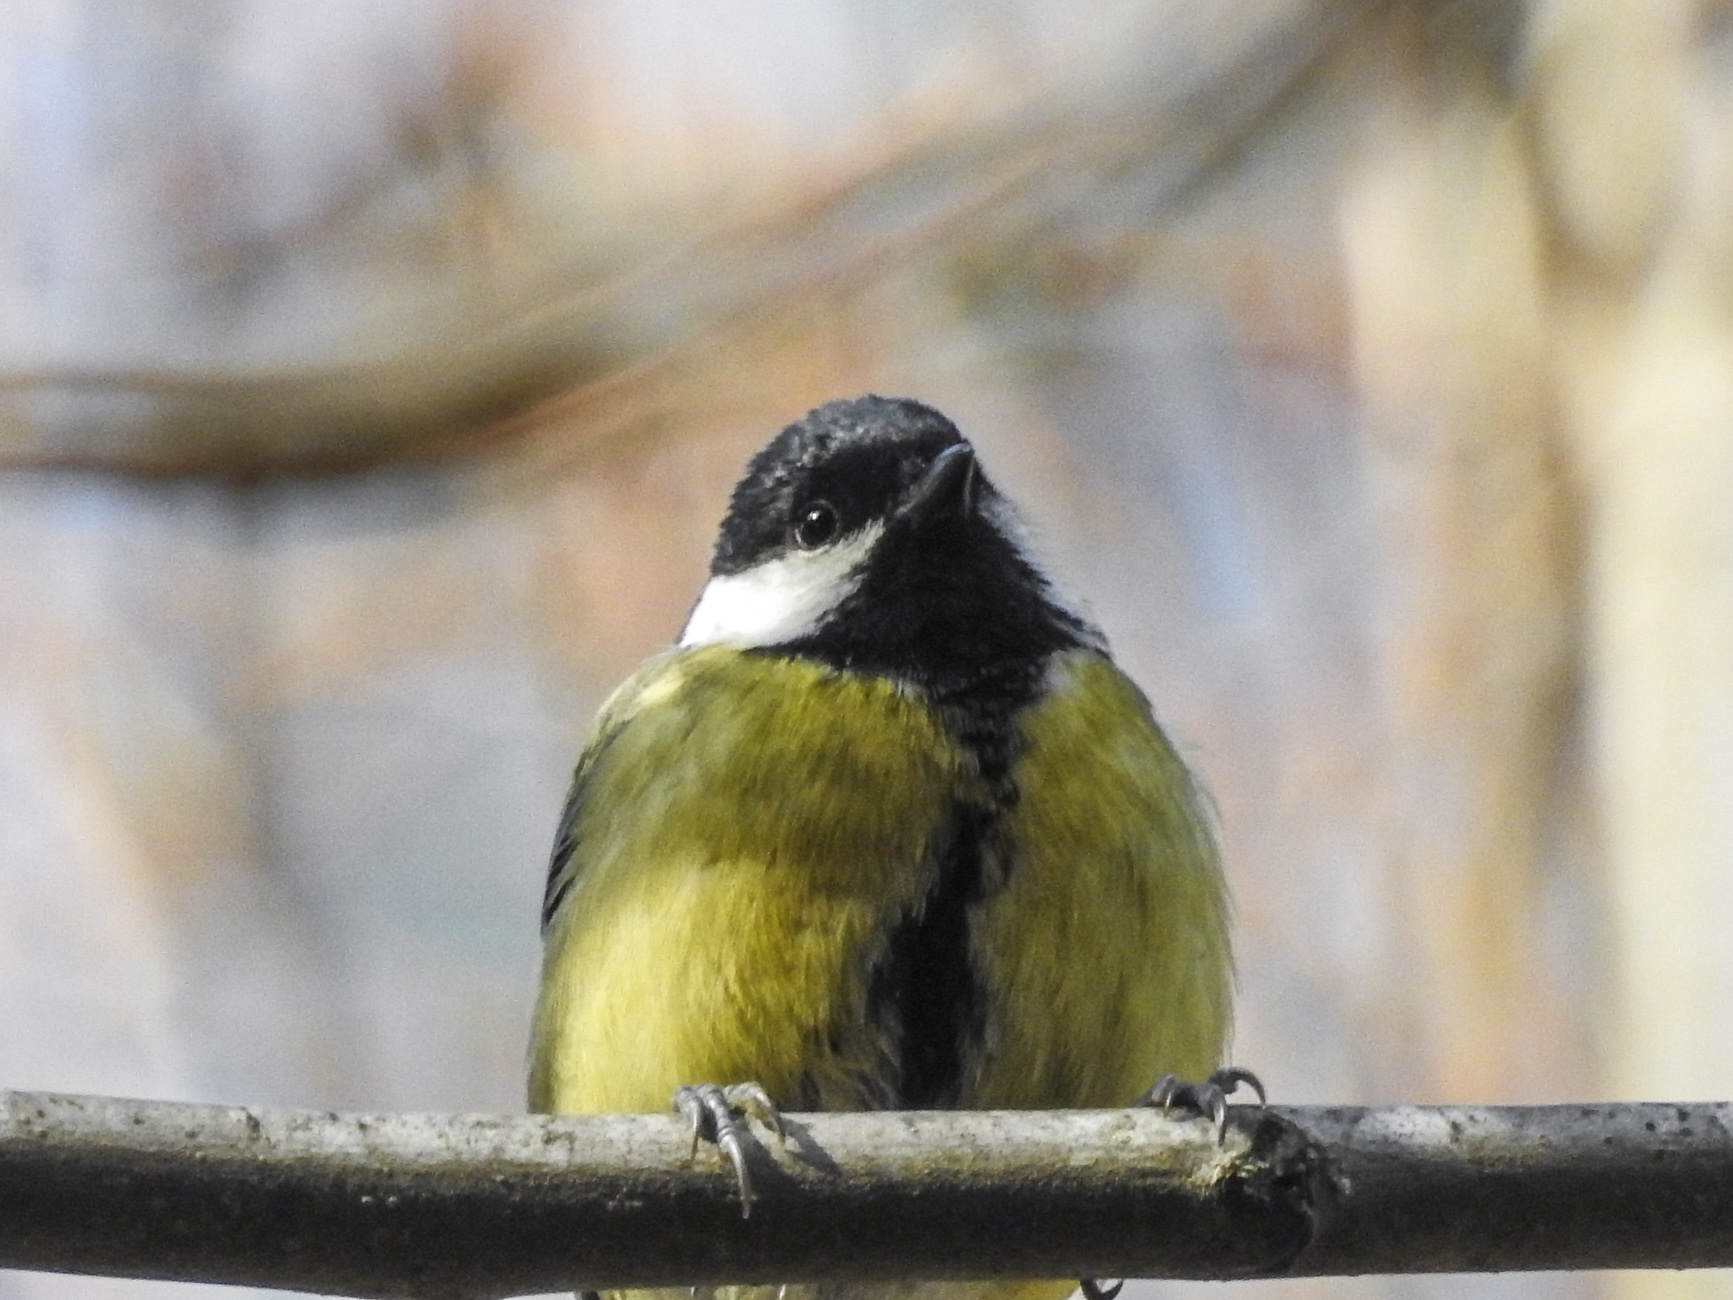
(885, 828)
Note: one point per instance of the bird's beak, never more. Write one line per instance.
(948, 488)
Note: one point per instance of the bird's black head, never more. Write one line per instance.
(843, 467)
(865, 535)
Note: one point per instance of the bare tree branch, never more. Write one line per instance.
(462, 384)
(481, 1205)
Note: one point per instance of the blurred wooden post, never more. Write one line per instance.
(1442, 264)
(1645, 342)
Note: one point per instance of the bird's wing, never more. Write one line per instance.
(616, 712)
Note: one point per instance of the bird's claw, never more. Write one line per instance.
(1209, 1098)
(714, 1113)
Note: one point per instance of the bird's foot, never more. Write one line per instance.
(715, 1113)
(1206, 1099)
(1209, 1098)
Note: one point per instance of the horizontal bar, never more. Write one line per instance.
(486, 1205)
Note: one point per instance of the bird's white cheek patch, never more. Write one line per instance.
(780, 599)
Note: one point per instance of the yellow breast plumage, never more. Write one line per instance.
(738, 861)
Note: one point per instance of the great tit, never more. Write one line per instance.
(886, 829)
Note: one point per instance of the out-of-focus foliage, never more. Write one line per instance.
(372, 378)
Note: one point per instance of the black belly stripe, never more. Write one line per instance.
(926, 994)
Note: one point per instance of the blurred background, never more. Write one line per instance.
(373, 376)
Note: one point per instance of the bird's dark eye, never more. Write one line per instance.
(814, 525)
